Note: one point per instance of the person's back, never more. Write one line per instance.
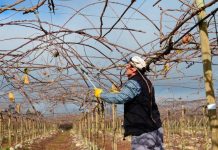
(141, 114)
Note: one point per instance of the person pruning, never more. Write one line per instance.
(141, 115)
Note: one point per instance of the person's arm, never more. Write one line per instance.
(127, 93)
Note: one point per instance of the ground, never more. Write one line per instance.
(59, 141)
(68, 141)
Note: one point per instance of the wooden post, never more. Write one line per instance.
(96, 126)
(26, 128)
(9, 129)
(103, 127)
(38, 128)
(182, 126)
(120, 122)
(1, 130)
(96, 123)
(33, 128)
(80, 127)
(21, 129)
(168, 125)
(85, 122)
(207, 67)
(16, 125)
(89, 130)
(41, 127)
(114, 117)
(93, 130)
(44, 128)
(30, 128)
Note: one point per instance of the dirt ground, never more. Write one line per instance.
(59, 141)
(68, 141)
(64, 141)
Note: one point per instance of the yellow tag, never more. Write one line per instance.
(98, 92)
(166, 67)
(26, 79)
(18, 108)
(178, 51)
(11, 96)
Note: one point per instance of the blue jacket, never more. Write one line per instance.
(130, 90)
(141, 114)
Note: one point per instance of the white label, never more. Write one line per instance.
(211, 106)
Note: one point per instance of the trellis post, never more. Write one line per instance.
(114, 115)
(207, 68)
(9, 129)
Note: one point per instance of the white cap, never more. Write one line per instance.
(137, 62)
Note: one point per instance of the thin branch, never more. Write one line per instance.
(119, 18)
(101, 18)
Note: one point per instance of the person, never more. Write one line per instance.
(141, 115)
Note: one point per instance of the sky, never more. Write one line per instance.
(173, 86)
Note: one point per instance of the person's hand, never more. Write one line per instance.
(114, 89)
(97, 92)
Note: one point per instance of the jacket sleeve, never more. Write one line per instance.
(127, 93)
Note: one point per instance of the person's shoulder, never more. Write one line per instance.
(132, 83)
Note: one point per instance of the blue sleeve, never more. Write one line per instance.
(127, 93)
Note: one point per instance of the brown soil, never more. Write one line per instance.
(63, 141)
(59, 141)
(107, 144)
